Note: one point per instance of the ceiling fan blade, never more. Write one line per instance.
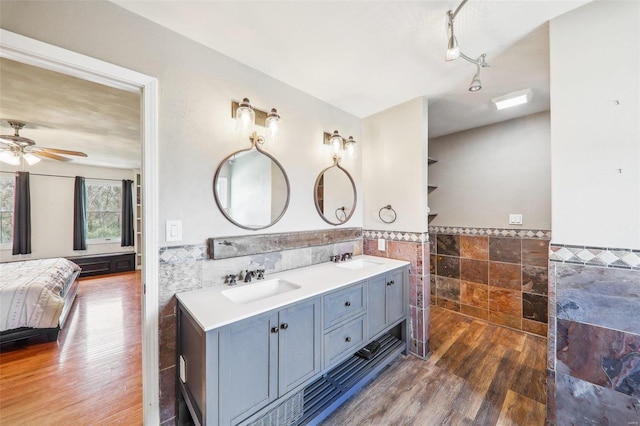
(17, 140)
(50, 155)
(60, 151)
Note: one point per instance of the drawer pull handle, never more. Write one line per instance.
(274, 329)
(348, 339)
(347, 304)
(284, 326)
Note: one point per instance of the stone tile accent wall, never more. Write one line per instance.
(594, 336)
(412, 247)
(496, 275)
(184, 268)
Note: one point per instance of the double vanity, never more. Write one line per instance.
(282, 350)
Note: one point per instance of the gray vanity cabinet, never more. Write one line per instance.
(283, 344)
(386, 300)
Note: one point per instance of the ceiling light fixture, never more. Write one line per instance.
(512, 99)
(454, 52)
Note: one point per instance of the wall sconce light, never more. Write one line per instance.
(340, 146)
(247, 117)
(453, 51)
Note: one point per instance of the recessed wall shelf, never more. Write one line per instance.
(432, 187)
(431, 161)
(432, 216)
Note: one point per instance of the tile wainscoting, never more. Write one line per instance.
(184, 268)
(594, 336)
(412, 247)
(498, 275)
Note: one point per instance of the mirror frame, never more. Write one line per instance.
(284, 173)
(353, 186)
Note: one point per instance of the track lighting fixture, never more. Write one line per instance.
(454, 52)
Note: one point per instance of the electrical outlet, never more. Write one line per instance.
(515, 219)
(381, 244)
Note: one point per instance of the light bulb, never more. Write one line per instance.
(31, 159)
(453, 50)
(336, 143)
(350, 146)
(245, 117)
(272, 123)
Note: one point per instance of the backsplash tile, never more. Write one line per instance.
(595, 256)
(472, 247)
(493, 232)
(505, 250)
(448, 244)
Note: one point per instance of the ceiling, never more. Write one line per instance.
(66, 112)
(360, 56)
(366, 56)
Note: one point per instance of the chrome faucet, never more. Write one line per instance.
(248, 275)
(346, 256)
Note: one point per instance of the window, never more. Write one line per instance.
(104, 201)
(6, 209)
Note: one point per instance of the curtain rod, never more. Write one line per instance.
(65, 176)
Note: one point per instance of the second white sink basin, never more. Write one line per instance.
(358, 264)
(259, 290)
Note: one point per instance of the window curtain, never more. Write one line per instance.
(127, 236)
(80, 214)
(22, 215)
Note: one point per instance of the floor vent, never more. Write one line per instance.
(320, 395)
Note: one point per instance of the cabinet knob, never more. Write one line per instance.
(347, 304)
(274, 329)
(284, 326)
(391, 282)
(348, 339)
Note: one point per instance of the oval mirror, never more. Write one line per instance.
(335, 195)
(251, 189)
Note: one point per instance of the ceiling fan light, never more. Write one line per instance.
(8, 157)
(31, 159)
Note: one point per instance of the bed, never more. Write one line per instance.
(36, 297)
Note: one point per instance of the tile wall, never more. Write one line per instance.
(412, 247)
(496, 275)
(187, 268)
(594, 336)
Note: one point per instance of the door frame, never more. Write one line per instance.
(33, 52)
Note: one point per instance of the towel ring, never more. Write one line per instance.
(341, 214)
(389, 213)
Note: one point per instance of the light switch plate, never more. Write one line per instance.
(515, 219)
(381, 244)
(173, 230)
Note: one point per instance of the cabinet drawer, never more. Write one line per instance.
(346, 338)
(344, 304)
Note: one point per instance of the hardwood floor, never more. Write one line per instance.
(92, 374)
(477, 374)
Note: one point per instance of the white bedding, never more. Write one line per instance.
(30, 292)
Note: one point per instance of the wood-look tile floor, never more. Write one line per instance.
(92, 374)
(477, 374)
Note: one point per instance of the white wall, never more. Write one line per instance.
(196, 131)
(395, 166)
(52, 210)
(595, 142)
(484, 174)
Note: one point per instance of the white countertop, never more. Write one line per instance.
(211, 309)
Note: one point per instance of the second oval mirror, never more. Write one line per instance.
(251, 189)
(335, 195)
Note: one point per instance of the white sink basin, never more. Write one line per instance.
(259, 290)
(358, 264)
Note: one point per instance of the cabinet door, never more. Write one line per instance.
(248, 362)
(395, 295)
(299, 349)
(376, 304)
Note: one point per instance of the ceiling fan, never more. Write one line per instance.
(14, 148)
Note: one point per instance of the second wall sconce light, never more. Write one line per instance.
(247, 117)
(340, 146)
